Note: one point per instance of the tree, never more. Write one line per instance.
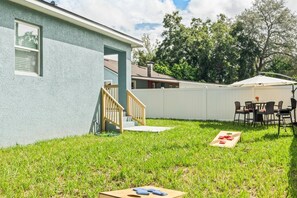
(162, 68)
(174, 44)
(183, 71)
(205, 49)
(273, 28)
(247, 51)
(146, 54)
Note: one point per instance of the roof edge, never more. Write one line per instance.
(47, 8)
(155, 79)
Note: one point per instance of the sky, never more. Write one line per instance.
(136, 17)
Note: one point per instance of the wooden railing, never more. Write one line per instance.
(112, 111)
(113, 90)
(135, 108)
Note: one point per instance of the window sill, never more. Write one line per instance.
(23, 73)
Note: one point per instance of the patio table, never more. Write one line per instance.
(257, 106)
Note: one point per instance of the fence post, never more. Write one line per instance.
(206, 103)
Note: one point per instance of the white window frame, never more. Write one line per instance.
(18, 47)
(107, 82)
(133, 82)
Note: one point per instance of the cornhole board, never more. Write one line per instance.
(229, 143)
(130, 193)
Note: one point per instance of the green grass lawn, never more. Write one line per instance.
(261, 165)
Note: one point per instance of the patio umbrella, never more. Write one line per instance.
(262, 81)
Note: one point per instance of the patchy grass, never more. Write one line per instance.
(261, 165)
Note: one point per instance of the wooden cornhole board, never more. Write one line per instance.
(229, 143)
(130, 193)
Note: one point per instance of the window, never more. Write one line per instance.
(133, 84)
(154, 85)
(27, 48)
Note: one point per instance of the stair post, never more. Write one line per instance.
(121, 122)
(103, 111)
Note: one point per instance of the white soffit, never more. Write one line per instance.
(77, 20)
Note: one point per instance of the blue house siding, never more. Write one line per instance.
(61, 102)
(110, 75)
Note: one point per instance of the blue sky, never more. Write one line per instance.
(181, 4)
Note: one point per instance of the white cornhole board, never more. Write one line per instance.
(229, 143)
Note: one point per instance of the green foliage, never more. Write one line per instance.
(247, 51)
(282, 65)
(146, 54)
(206, 49)
(162, 69)
(262, 38)
(183, 71)
(272, 27)
(261, 165)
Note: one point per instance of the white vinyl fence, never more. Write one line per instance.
(214, 103)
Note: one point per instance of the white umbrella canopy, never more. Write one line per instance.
(262, 81)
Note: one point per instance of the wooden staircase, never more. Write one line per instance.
(113, 114)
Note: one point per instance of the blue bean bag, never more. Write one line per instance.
(141, 191)
(160, 193)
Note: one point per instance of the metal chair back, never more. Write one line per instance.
(269, 107)
(237, 106)
(280, 105)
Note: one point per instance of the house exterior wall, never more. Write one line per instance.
(141, 84)
(62, 102)
(110, 75)
(145, 84)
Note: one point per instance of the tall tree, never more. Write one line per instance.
(146, 54)
(174, 44)
(247, 51)
(206, 49)
(273, 28)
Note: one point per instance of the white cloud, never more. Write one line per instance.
(210, 9)
(123, 15)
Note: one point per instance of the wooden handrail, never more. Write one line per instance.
(135, 108)
(112, 111)
(113, 90)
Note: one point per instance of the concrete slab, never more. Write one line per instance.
(152, 129)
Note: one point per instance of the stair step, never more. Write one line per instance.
(128, 124)
(127, 118)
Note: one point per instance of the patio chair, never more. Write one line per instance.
(277, 107)
(240, 110)
(250, 108)
(284, 114)
(267, 112)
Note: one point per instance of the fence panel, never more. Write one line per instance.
(275, 94)
(220, 101)
(213, 103)
(153, 100)
(185, 103)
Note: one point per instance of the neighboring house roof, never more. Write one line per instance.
(139, 72)
(55, 11)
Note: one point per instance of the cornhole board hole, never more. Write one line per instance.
(130, 193)
(228, 143)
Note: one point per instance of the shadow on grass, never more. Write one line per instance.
(292, 175)
(230, 126)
